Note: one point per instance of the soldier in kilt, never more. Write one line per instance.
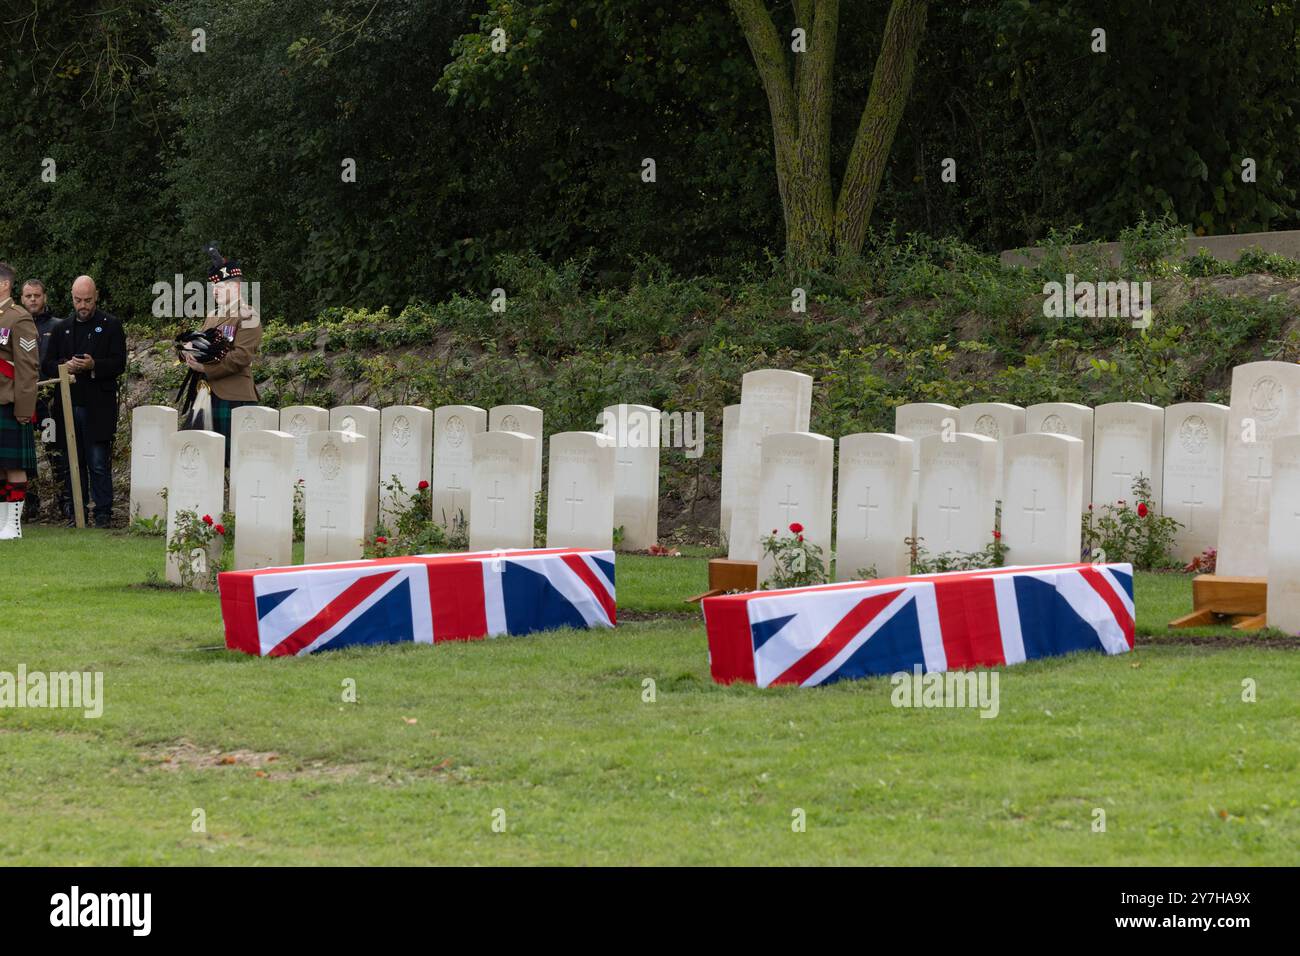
(230, 378)
(19, 372)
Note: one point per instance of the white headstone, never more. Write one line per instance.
(526, 420)
(363, 420)
(454, 429)
(1066, 418)
(1283, 608)
(196, 482)
(1042, 494)
(1265, 406)
(337, 487)
(875, 505)
(956, 506)
(635, 430)
(730, 432)
(917, 420)
(1195, 438)
(300, 421)
(1128, 440)
(406, 453)
(150, 427)
(996, 420)
(795, 481)
(502, 498)
(580, 491)
(771, 401)
(263, 503)
(248, 418)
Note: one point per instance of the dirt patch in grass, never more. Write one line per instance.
(1230, 641)
(185, 755)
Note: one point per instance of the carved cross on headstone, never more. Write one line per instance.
(1191, 503)
(950, 508)
(866, 507)
(1033, 511)
(573, 501)
(1259, 478)
(497, 499)
(327, 528)
(258, 497)
(787, 504)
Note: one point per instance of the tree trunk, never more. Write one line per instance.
(891, 83)
(815, 223)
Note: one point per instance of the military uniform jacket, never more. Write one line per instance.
(232, 377)
(19, 360)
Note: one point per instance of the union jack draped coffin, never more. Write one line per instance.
(817, 635)
(425, 599)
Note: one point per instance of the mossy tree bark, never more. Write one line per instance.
(817, 222)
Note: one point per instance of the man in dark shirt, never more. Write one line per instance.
(49, 407)
(93, 344)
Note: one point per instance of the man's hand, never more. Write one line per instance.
(194, 363)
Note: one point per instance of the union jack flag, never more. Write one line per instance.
(273, 612)
(818, 635)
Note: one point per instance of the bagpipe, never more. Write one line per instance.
(194, 398)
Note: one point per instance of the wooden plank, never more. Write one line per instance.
(1251, 623)
(728, 575)
(70, 439)
(1230, 595)
(700, 597)
(1195, 619)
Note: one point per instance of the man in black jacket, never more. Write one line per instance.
(93, 344)
(49, 406)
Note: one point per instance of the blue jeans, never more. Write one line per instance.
(96, 463)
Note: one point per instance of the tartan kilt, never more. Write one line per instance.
(17, 442)
(221, 412)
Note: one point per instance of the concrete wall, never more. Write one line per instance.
(1228, 248)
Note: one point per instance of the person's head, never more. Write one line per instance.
(227, 293)
(34, 296)
(6, 280)
(84, 297)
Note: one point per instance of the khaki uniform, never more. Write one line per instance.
(231, 379)
(19, 347)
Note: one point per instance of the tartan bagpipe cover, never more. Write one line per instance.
(818, 635)
(425, 599)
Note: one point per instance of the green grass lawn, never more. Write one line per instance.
(552, 731)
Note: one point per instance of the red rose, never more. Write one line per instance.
(423, 484)
(207, 519)
(381, 540)
(1142, 509)
(774, 531)
(1089, 507)
(800, 537)
(220, 529)
(997, 535)
(796, 527)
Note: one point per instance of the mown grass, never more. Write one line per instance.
(553, 731)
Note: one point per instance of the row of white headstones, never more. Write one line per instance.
(941, 473)
(483, 468)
